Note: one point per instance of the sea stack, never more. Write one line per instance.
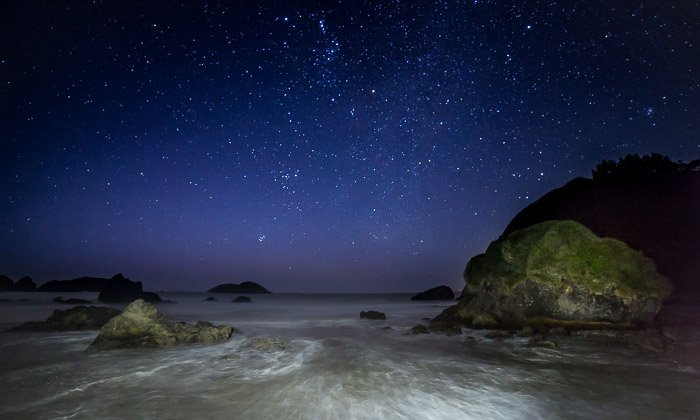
(436, 293)
(247, 287)
(121, 289)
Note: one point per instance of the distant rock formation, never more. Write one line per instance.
(376, 315)
(25, 284)
(121, 289)
(242, 299)
(6, 284)
(247, 287)
(141, 325)
(73, 319)
(559, 274)
(436, 293)
(649, 202)
(80, 284)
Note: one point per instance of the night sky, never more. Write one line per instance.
(331, 146)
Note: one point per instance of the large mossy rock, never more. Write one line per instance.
(141, 325)
(649, 203)
(74, 319)
(559, 273)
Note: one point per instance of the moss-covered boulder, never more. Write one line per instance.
(141, 325)
(559, 272)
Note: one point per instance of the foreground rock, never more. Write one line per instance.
(141, 325)
(80, 284)
(376, 315)
(242, 299)
(436, 293)
(559, 274)
(247, 287)
(119, 289)
(73, 319)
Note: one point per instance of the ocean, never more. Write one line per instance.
(335, 366)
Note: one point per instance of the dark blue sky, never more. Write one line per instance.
(338, 146)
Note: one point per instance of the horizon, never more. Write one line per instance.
(314, 148)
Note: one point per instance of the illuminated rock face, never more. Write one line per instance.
(141, 325)
(649, 203)
(559, 273)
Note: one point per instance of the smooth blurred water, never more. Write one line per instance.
(335, 366)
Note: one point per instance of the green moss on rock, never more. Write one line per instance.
(560, 270)
(141, 325)
(559, 252)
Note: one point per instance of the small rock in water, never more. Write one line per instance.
(242, 299)
(650, 339)
(527, 331)
(558, 331)
(268, 344)
(231, 356)
(448, 329)
(540, 341)
(419, 329)
(210, 299)
(498, 335)
(372, 315)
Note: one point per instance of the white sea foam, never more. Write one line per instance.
(335, 366)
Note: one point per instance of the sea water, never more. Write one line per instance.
(335, 366)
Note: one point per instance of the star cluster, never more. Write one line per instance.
(317, 146)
